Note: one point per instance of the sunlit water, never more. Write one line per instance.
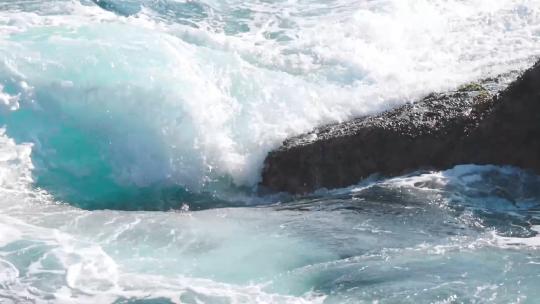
(166, 109)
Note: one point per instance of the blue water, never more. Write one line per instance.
(133, 134)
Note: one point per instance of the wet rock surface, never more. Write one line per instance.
(473, 124)
(510, 134)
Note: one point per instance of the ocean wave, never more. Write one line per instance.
(123, 101)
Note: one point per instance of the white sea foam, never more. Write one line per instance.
(54, 264)
(54, 251)
(211, 104)
(15, 163)
(240, 255)
(515, 242)
(186, 104)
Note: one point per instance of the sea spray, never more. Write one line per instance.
(149, 105)
(192, 95)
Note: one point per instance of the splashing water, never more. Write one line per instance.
(125, 97)
(160, 104)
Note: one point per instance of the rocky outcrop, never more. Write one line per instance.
(473, 124)
(510, 134)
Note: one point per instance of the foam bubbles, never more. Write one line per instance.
(15, 163)
(353, 245)
(9, 101)
(515, 242)
(209, 89)
(97, 105)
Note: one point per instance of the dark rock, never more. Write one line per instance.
(510, 135)
(470, 125)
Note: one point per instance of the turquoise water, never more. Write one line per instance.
(133, 134)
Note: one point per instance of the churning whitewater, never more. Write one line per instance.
(133, 132)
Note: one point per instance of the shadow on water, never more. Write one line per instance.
(504, 199)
